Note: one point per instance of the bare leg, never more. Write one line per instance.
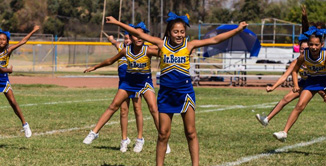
(191, 135)
(124, 109)
(121, 96)
(279, 106)
(152, 106)
(138, 116)
(12, 101)
(304, 99)
(163, 137)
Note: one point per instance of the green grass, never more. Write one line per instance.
(224, 136)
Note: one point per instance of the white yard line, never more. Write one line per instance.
(58, 102)
(263, 105)
(279, 150)
(70, 129)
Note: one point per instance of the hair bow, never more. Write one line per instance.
(313, 29)
(303, 37)
(173, 16)
(126, 32)
(7, 33)
(142, 26)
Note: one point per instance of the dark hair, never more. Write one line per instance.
(170, 25)
(320, 37)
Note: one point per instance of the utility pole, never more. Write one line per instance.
(119, 18)
(162, 19)
(103, 17)
(149, 15)
(133, 12)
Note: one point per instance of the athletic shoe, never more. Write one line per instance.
(90, 137)
(139, 145)
(281, 136)
(27, 130)
(168, 150)
(262, 119)
(124, 145)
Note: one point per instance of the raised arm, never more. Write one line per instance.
(296, 68)
(154, 40)
(6, 70)
(304, 21)
(216, 39)
(24, 40)
(113, 41)
(283, 77)
(107, 62)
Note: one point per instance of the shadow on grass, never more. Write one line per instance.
(3, 146)
(295, 152)
(111, 165)
(107, 147)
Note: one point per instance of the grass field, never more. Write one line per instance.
(228, 132)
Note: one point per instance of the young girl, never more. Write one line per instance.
(5, 87)
(138, 80)
(124, 109)
(314, 59)
(176, 94)
(264, 120)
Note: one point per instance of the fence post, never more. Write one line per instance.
(55, 53)
(33, 57)
(87, 56)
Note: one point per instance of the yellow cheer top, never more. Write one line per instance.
(175, 64)
(315, 67)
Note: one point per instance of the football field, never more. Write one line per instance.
(229, 134)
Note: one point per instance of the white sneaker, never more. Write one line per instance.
(124, 145)
(262, 119)
(139, 145)
(168, 150)
(90, 137)
(281, 136)
(27, 130)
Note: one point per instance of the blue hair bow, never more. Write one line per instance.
(7, 33)
(313, 29)
(126, 32)
(142, 26)
(303, 37)
(173, 16)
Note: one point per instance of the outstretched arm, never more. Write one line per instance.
(107, 62)
(282, 78)
(155, 40)
(296, 68)
(6, 70)
(216, 39)
(24, 40)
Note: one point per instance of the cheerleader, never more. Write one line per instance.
(124, 109)
(5, 87)
(176, 94)
(264, 120)
(314, 59)
(138, 80)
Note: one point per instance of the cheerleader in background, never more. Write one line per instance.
(5, 87)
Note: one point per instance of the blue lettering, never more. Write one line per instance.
(174, 59)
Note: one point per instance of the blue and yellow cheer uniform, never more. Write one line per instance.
(138, 76)
(4, 80)
(122, 65)
(316, 71)
(176, 92)
(303, 74)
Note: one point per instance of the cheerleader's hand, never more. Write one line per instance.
(242, 25)
(296, 89)
(10, 69)
(269, 89)
(36, 28)
(111, 20)
(89, 69)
